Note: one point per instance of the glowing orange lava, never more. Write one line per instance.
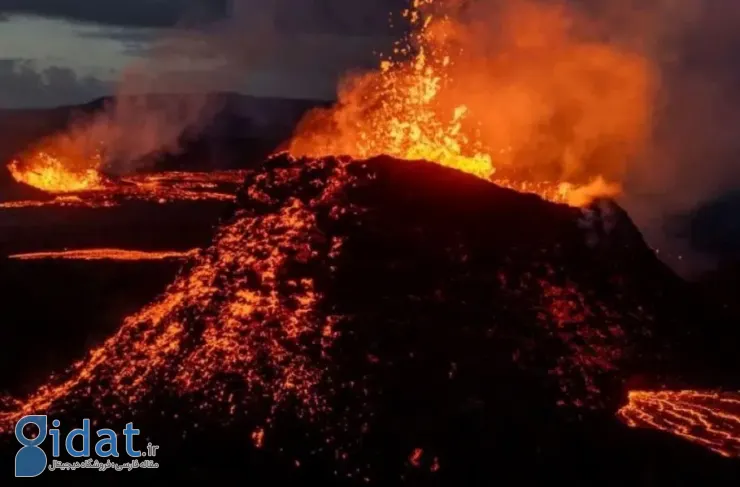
(163, 187)
(535, 109)
(245, 328)
(49, 173)
(241, 338)
(710, 419)
(105, 254)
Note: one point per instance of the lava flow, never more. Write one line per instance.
(533, 107)
(710, 419)
(105, 254)
(70, 170)
(91, 189)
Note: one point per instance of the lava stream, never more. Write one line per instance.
(106, 254)
(711, 419)
(93, 190)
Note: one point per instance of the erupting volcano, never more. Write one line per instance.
(426, 262)
(536, 109)
(344, 299)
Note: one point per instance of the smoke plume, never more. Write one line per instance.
(172, 92)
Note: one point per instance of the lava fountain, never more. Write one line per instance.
(49, 173)
(536, 108)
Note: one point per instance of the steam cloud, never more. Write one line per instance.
(172, 92)
(158, 101)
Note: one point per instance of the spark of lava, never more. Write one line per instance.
(710, 419)
(547, 113)
(105, 254)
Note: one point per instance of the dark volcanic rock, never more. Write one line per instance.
(391, 321)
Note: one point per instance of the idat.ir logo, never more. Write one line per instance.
(31, 460)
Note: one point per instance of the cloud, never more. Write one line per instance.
(340, 17)
(25, 85)
(358, 17)
(134, 41)
(139, 13)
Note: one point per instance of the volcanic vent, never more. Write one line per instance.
(366, 317)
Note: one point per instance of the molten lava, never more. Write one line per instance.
(70, 167)
(534, 108)
(49, 173)
(164, 187)
(105, 254)
(710, 419)
(271, 325)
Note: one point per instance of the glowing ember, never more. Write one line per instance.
(710, 419)
(415, 457)
(49, 173)
(105, 254)
(536, 110)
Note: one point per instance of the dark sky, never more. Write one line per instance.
(67, 51)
